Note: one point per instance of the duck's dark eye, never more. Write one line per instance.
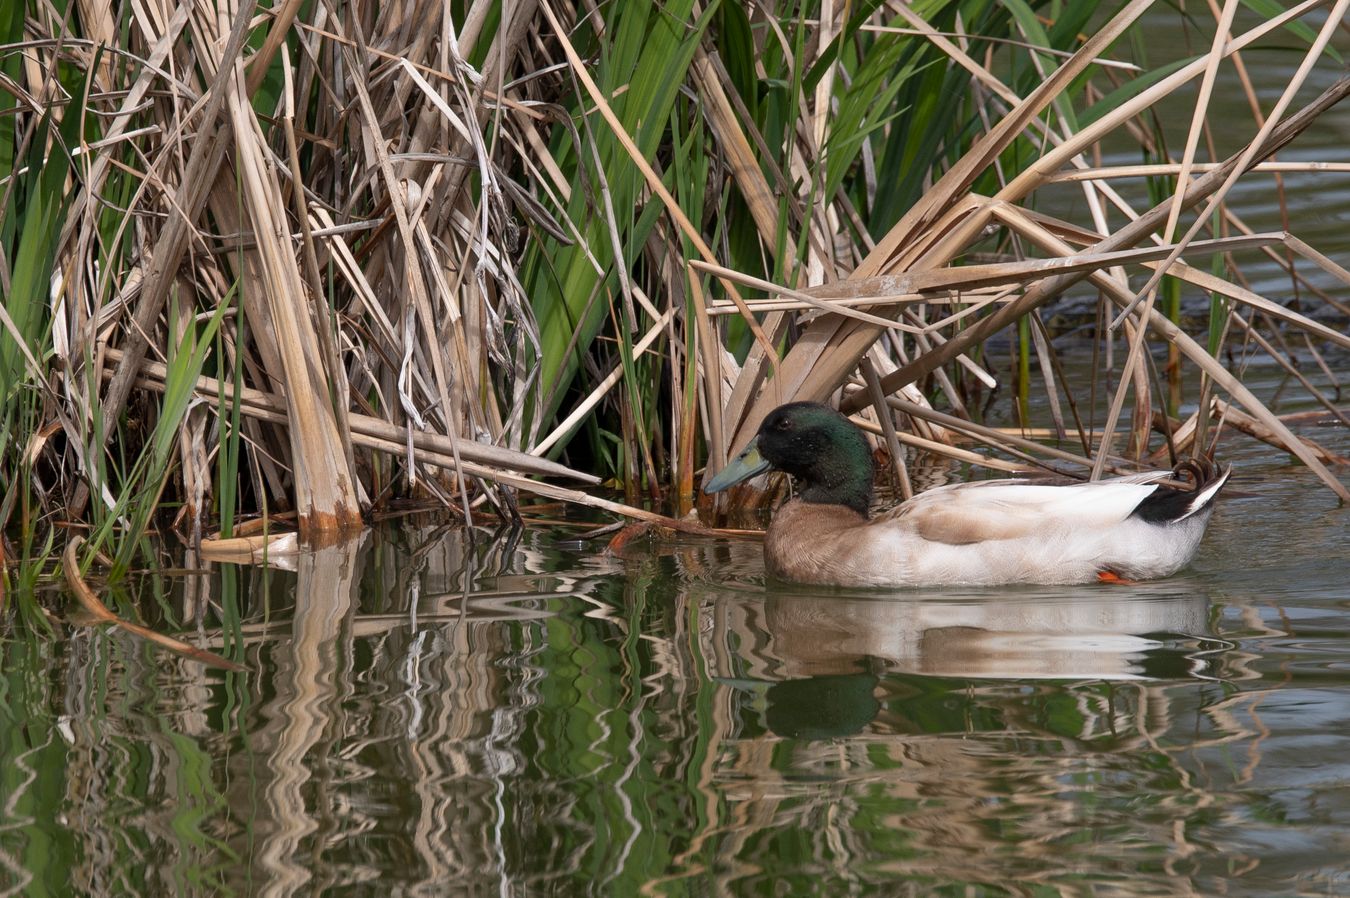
(784, 423)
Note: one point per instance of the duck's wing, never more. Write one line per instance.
(1009, 509)
(1140, 477)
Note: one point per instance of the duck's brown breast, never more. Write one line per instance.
(813, 543)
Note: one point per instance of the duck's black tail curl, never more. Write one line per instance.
(1168, 504)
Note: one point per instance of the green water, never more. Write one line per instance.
(520, 714)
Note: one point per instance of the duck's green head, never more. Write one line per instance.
(822, 449)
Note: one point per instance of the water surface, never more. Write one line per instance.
(432, 711)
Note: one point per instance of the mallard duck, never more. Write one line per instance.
(983, 533)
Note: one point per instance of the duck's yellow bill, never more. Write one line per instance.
(742, 467)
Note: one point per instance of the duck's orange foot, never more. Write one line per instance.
(1113, 577)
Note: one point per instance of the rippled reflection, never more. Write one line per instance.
(1070, 635)
(433, 710)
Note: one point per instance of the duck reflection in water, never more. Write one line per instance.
(829, 653)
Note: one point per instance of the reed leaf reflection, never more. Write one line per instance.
(432, 711)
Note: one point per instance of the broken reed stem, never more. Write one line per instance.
(91, 603)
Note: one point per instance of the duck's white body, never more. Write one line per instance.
(992, 532)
